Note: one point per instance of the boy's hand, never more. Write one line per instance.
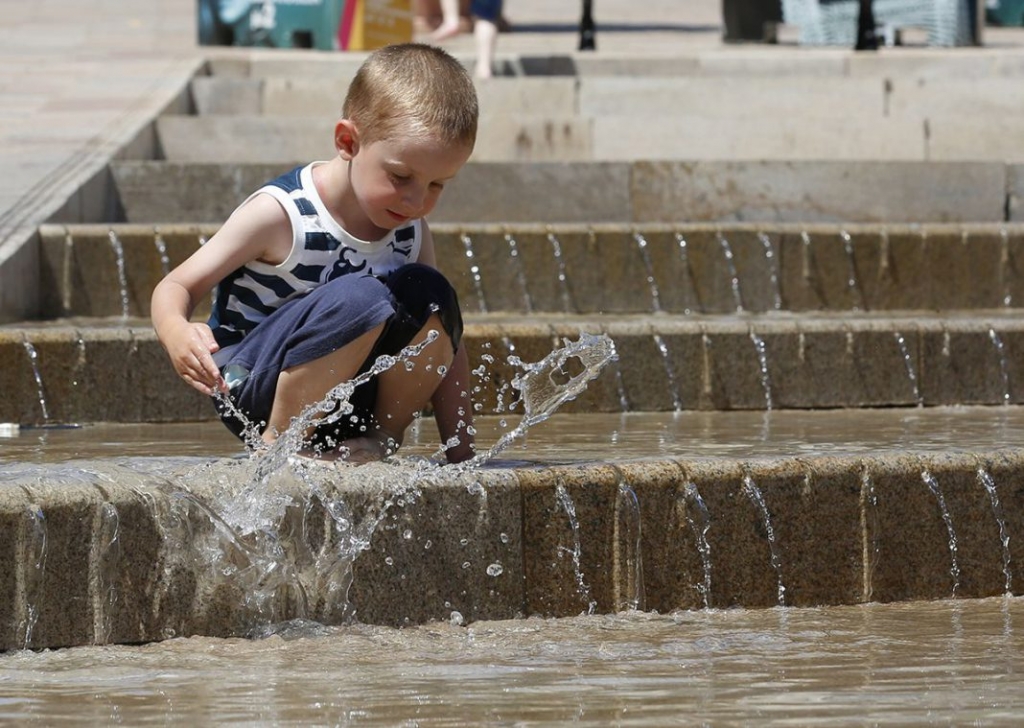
(190, 347)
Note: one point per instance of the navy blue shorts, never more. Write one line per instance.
(486, 9)
(328, 318)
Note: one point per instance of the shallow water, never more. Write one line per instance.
(924, 663)
(596, 437)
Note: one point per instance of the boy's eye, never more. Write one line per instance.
(398, 177)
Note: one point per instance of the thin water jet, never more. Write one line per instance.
(734, 278)
(122, 275)
(576, 552)
(752, 492)
(652, 284)
(700, 524)
(909, 365)
(684, 260)
(474, 272)
(762, 359)
(629, 569)
(670, 374)
(513, 249)
(563, 278)
(1004, 372)
(773, 270)
(936, 490)
(989, 484)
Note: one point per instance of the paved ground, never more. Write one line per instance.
(80, 75)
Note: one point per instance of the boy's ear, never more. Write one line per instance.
(346, 139)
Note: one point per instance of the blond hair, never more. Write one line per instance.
(412, 88)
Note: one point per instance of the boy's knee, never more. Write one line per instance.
(422, 292)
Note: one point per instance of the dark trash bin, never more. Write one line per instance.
(751, 20)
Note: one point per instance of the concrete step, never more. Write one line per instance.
(764, 62)
(691, 135)
(110, 270)
(628, 192)
(115, 370)
(137, 551)
(643, 95)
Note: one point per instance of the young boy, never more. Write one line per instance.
(331, 265)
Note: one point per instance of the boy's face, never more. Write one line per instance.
(397, 180)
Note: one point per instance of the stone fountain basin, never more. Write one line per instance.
(106, 549)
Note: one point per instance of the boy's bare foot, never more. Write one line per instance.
(445, 31)
(367, 449)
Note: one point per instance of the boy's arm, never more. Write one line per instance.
(258, 229)
(453, 406)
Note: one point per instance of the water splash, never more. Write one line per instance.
(474, 271)
(997, 342)
(513, 249)
(936, 490)
(652, 284)
(576, 553)
(546, 385)
(773, 270)
(563, 278)
(699, 519)
(122, 275)
(909, 364)
(752, 492)
(762, 359)
(989, 484)
(734, 277)
(33, 358)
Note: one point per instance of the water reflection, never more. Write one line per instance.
(596, 437)
(955, 662)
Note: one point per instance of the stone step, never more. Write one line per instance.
(763, 62)
(769, 99)
(690, 135)
(136, 551)
(115, 370)
(628, 192)
(110, 270)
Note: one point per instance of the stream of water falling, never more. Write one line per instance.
(773, 270)
(576, 552)
(474, 272)
(122, 275)
(947, 519)
(563, 276)
(513, 249)
(33, 359)
(652, 284)
(734, 276)
(757, 498)
(908, 363)
(989, 484)
(1004, 370)
(700, 524)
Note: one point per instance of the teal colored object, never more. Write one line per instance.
(271, 23)
(1005, 12)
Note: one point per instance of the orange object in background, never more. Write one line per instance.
(369, 24)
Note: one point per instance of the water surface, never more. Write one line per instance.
(926, 663)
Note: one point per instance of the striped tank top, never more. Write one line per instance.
(321, 251)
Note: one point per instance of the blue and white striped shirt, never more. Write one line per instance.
(321, 251)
